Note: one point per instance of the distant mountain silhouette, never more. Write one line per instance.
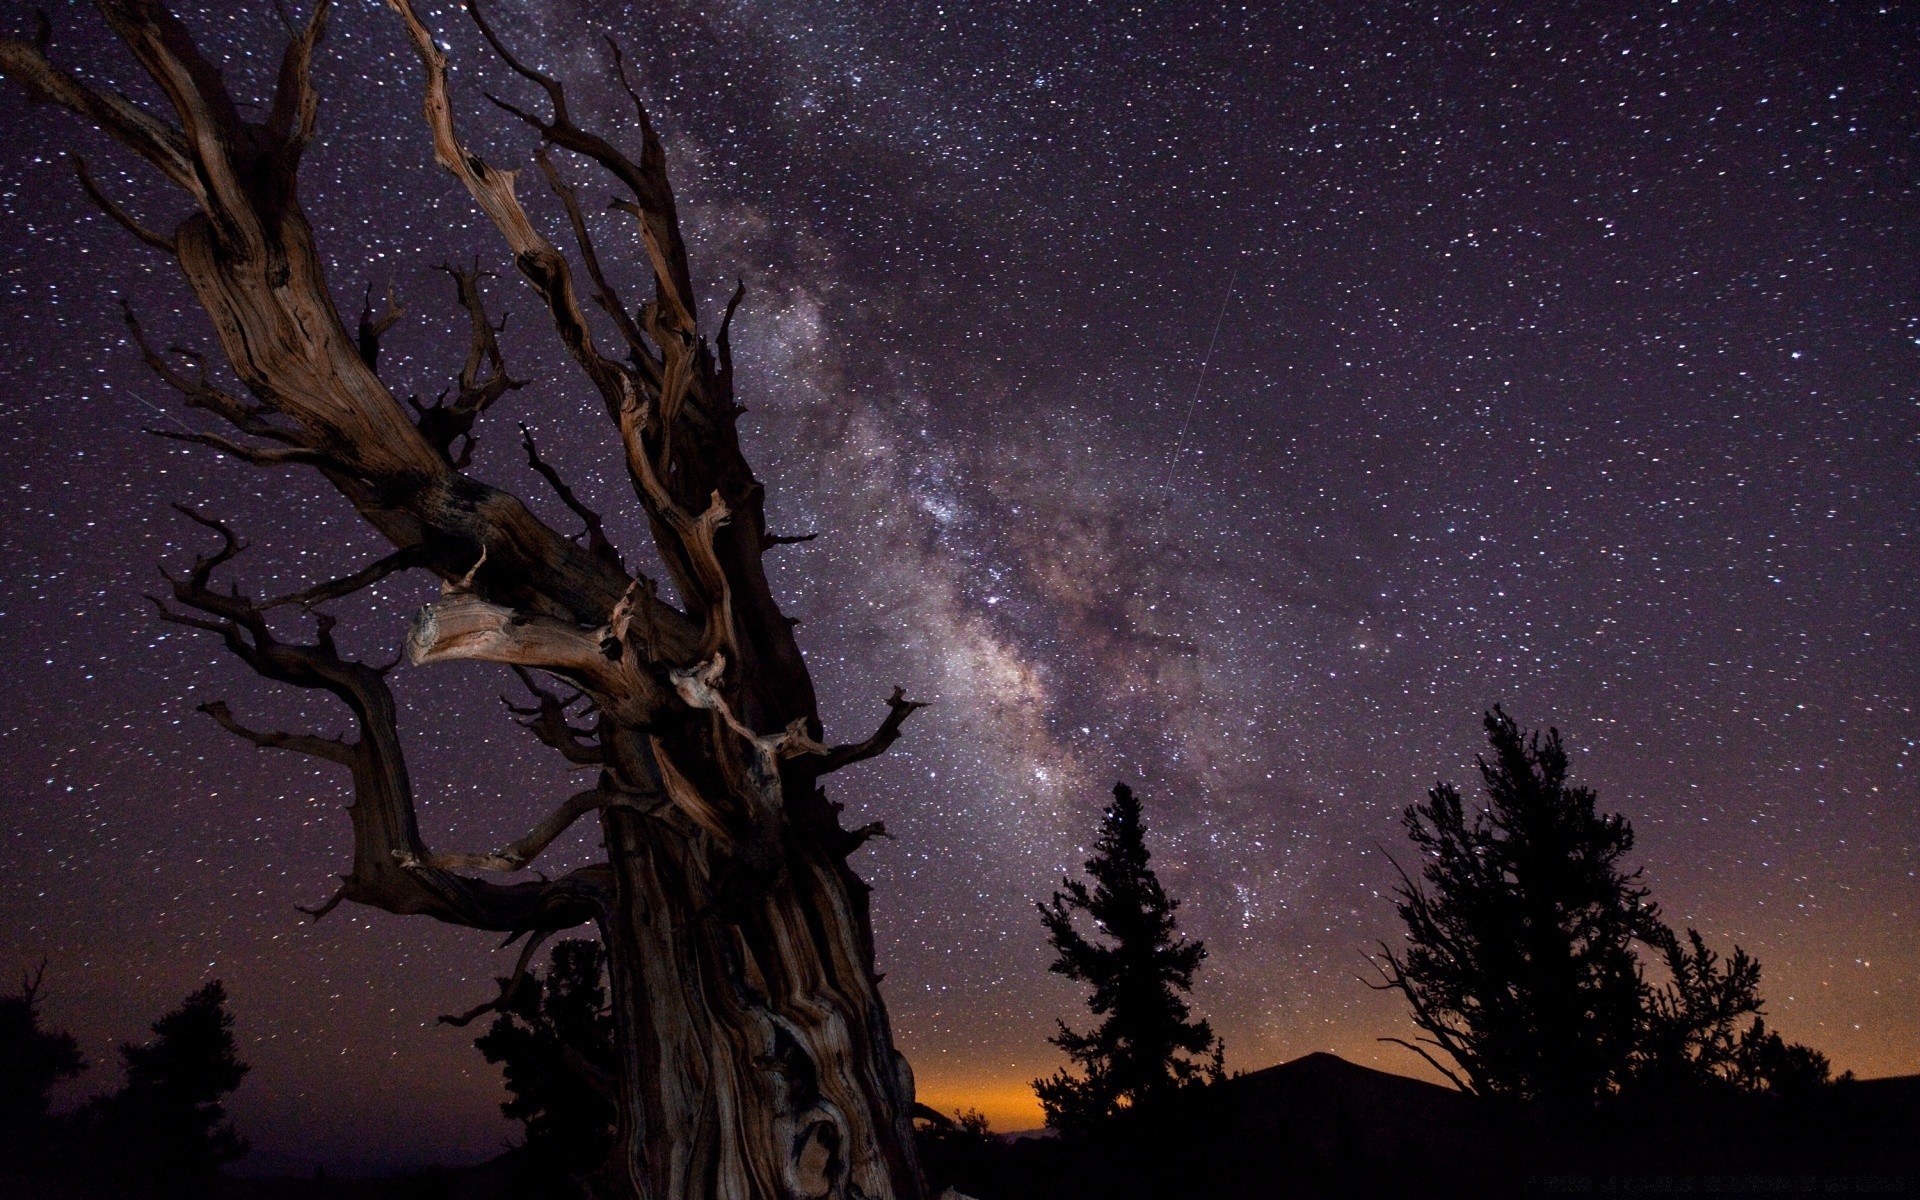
(1330, 1108)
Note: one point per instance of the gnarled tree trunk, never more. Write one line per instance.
(755, 1050)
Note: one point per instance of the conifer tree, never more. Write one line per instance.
(1520, 964)
(167, 1128)
(554, 1038)
(1140, 971)
(1526, 936)
(1692, 1037)
(32, 1060)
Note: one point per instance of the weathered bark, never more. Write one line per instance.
(757, 1057)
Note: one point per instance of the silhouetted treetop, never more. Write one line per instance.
(1139, 970)
(1525, 933)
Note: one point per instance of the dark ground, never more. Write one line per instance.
(1323, 1127)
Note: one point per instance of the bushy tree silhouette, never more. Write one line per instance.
(1146, 1046)
(1692, 1035)
(167, 1128)
(554, 1039)
(32, 1061)
(1524, 940)
(1520, 963)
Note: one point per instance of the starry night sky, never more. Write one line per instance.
(1566, 358)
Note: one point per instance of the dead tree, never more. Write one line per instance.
(756, 1058)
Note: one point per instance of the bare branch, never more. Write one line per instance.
(597, 541)
(400, 560)
(373, 328)
(770, 540)
(1431, 1061)
(331, 749)
(723, 343)
(647, 179)
(508, 986)
(290, 123)
(492, 189)
(856, 838)
(515, 855)
(385, 830)
(119, 215)
(201, 393)
(328, 905)
(548, 722)
(605, 296)
(899, 708)
(134, 127)
(259, 456)
(443, 423)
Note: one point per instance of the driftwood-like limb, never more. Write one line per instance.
(597, 542)
(899, 708)
(516, 855)
(464, 626)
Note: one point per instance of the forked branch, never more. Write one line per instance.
(386, 833)
(899, 708)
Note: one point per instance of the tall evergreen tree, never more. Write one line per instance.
(554, 1039)
(167, 1128)
(32, 1061)
(1145, 1047)
(1520, 964)
(1525, 937)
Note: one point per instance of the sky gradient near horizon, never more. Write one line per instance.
(1232, 400)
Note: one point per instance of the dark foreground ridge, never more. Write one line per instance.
(1320, 1126)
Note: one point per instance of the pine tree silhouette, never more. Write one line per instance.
(554, 1040)
(1146, 1047)
(1525, 936)
(167, 1128)
(32, 1061)
(1692, 1037)
(1520, 962)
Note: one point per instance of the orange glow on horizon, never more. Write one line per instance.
(1008, 1105)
